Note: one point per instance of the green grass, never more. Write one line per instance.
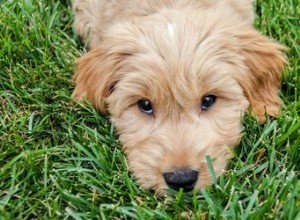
(61, 160)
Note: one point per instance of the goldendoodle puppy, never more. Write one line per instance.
(176, 76)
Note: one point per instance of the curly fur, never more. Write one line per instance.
(173, 52)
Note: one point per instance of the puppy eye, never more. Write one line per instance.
(145, 106)
(208, 101)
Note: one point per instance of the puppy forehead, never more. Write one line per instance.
(183, 82)
(172, 60)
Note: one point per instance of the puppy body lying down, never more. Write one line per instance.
(176, 76)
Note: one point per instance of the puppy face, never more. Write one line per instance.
(176, 88)
(169, 124)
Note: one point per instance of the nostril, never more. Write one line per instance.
(184, 178)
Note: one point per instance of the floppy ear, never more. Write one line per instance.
(265, 62)
(96, 75)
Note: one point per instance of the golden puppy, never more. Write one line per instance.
(176, 76)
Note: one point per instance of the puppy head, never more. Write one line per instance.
(176, 88)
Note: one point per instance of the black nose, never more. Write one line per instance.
(184, 178)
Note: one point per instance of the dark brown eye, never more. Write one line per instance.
(208, 101)
(145, 106)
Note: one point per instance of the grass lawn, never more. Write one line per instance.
(61, 160)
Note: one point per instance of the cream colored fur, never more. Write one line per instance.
(174, 52)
